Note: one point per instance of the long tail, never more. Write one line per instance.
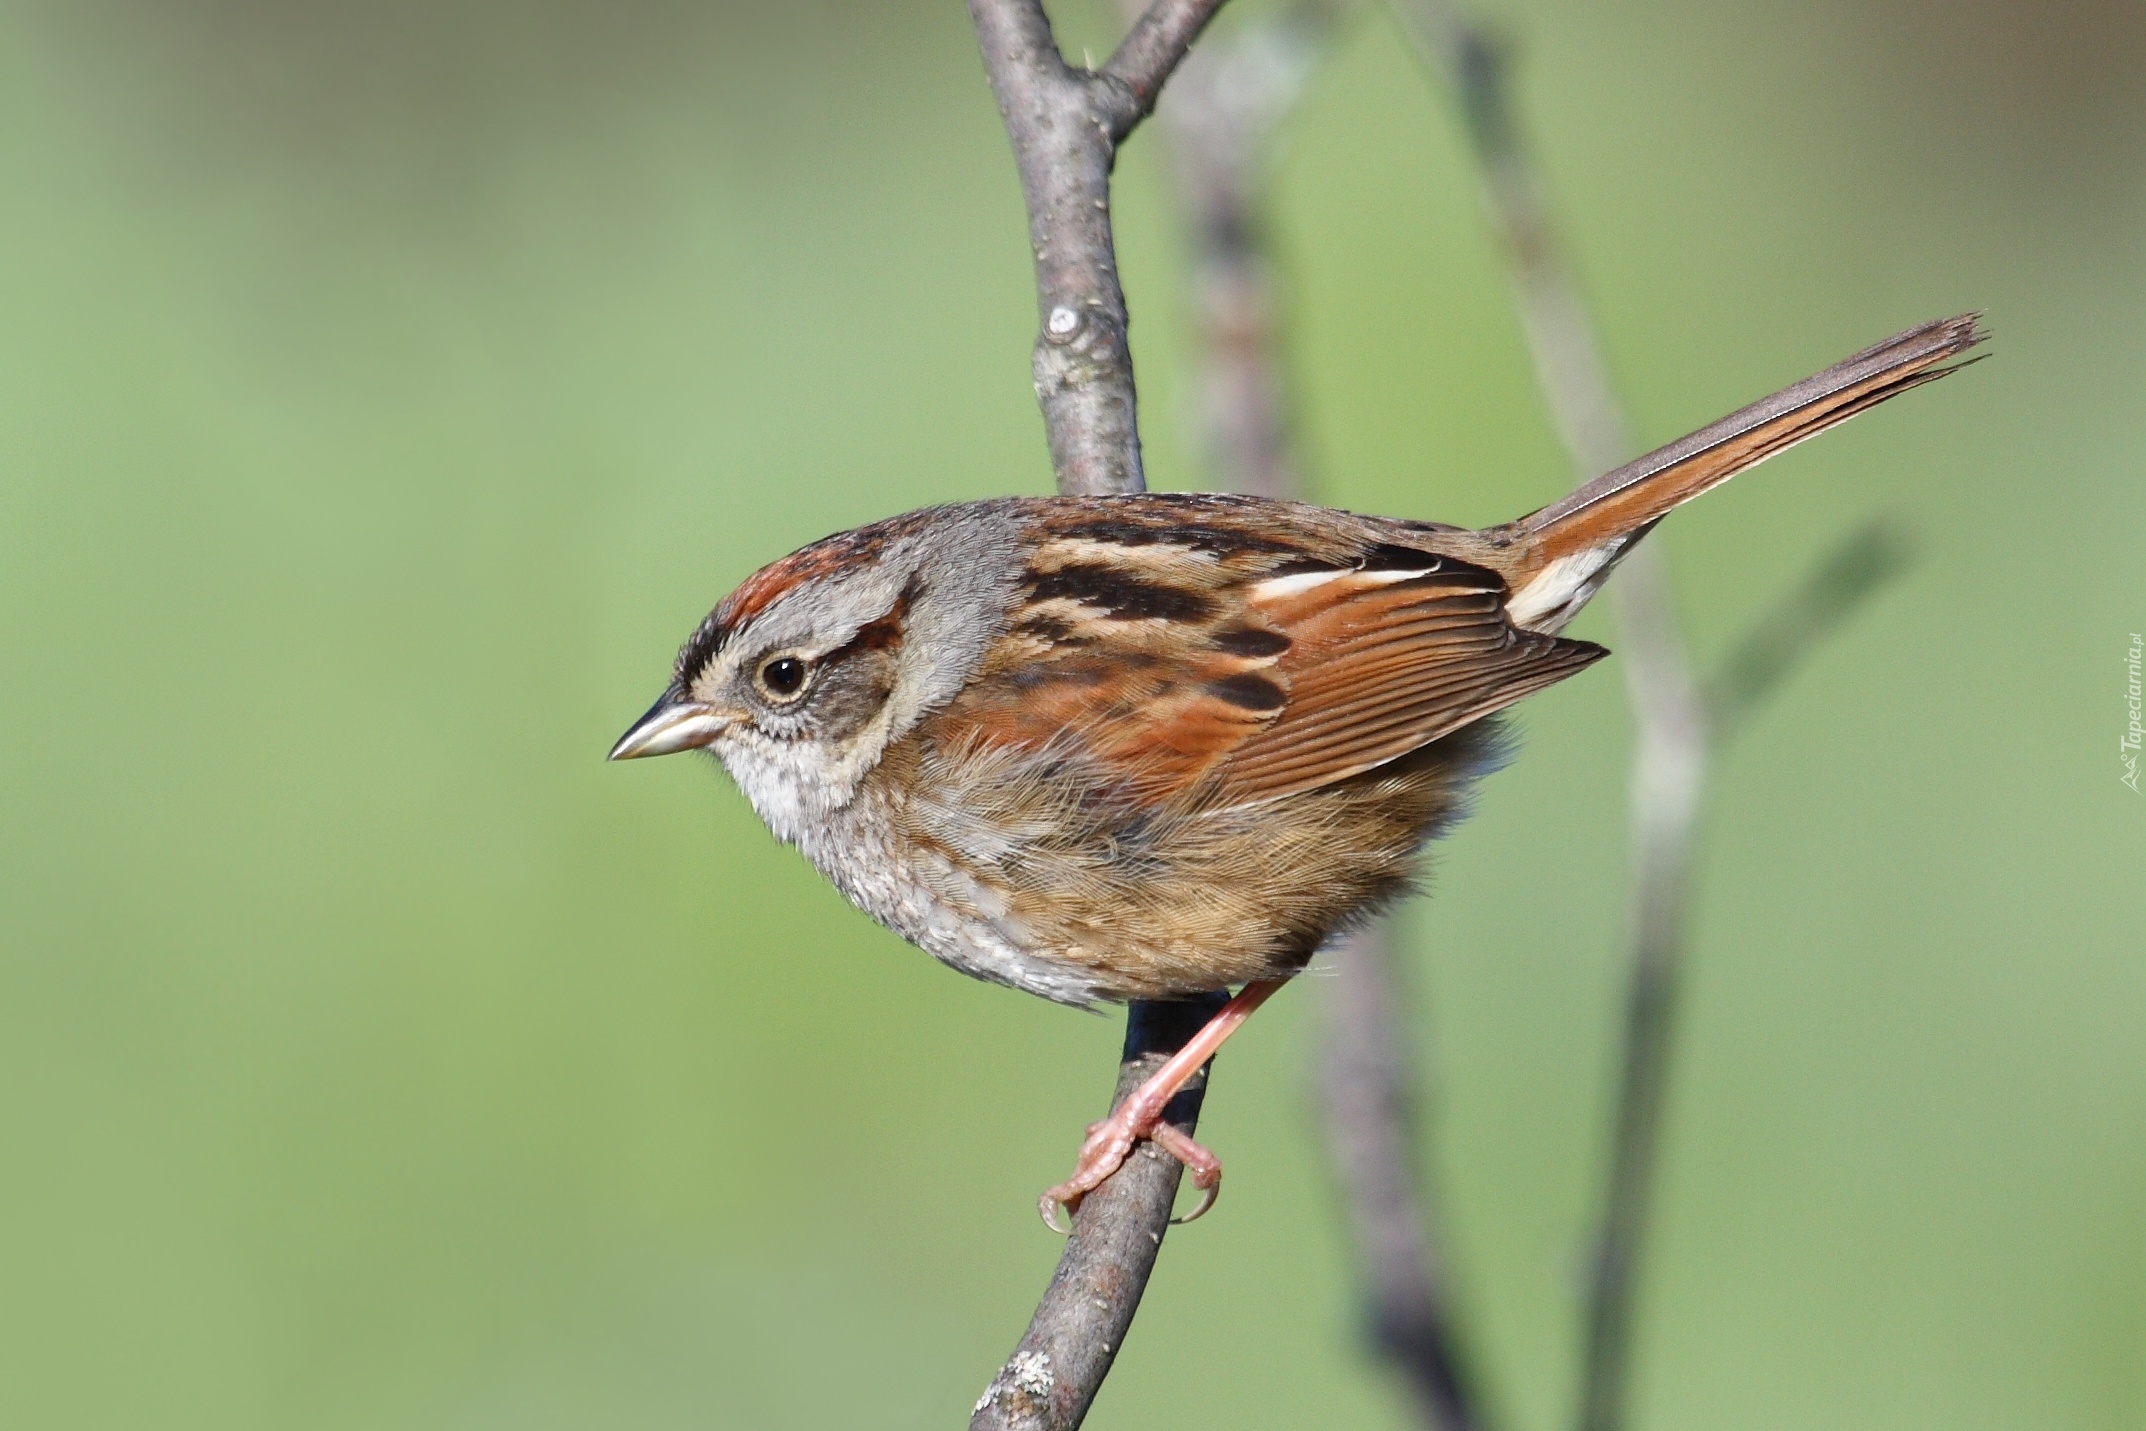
(1560, 555)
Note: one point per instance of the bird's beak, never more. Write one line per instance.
(672, 724)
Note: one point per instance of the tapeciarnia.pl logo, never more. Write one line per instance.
(2127, 749)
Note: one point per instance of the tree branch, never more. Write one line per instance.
(1669, 766)
(1217, 126)
(1151, 50)
(1065, 125)
(1049, 1381)
(1666, 827)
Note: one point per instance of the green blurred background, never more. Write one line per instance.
(385, 390)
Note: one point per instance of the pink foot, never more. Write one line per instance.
(1110, 1142)
(1107, 1146)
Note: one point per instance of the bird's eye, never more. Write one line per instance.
(783, 677)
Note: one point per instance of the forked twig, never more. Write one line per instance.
(1066, 123)
(1838, 584)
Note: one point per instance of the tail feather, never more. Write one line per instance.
(1571, 544)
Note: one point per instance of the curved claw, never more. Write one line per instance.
(1205, 1167)
(1199, 1209)
(1050, 1205)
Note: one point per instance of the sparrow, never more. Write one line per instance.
(1159, 745)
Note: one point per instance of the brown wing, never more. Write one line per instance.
(1189, 670)
(1381, 664)
(1143, 661)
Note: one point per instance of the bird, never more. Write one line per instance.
(1160, 745)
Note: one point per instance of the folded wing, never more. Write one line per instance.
(1246, 677)
(1383, 662)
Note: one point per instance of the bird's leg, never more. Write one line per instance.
(1110, 1142)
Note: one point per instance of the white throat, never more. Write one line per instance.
(792, 785)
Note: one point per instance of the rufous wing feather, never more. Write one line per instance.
(1387, 663)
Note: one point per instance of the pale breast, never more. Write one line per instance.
(1027, 871)
(936, 900)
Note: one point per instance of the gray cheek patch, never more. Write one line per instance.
(965, 569)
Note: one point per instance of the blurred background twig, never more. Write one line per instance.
(1371, 1101)
(1218, 122)
(1675, 725)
